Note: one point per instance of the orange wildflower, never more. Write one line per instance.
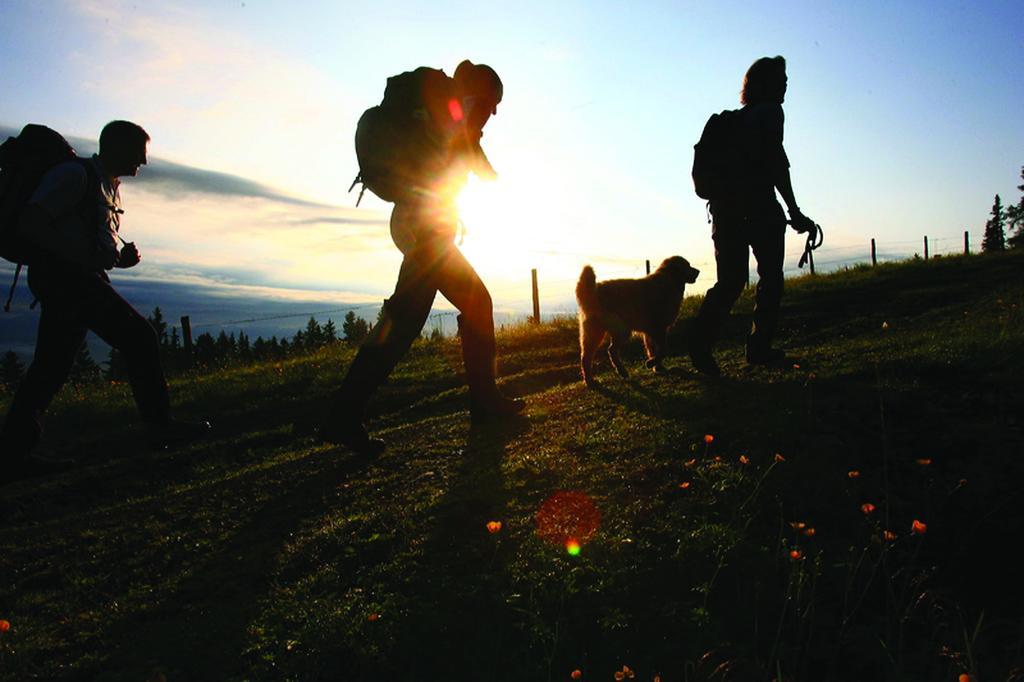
(744, 460)
(576, 674)
(918, 527)
(708, 438)
(684, 485)
(5, 625)
(373, 617)
(853, 474)
(889, 536)
(493, 526)
(690, 462)
(867, 508)
(924, 461)
(619, 676)
(798, 525)
(809, 532)
(964, 677)
(779, 458)
(796, 555)
(796, 366)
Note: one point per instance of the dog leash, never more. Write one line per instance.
(815, 238)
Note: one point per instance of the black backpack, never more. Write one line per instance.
(717, 161)
(24, 160)
(403, 142)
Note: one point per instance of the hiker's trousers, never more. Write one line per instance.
(431, 263)
(736, 234)
(72, 304)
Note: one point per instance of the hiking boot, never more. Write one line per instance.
(495, 407)
(773, 357)
(174, 432)
(32, 466)
(351, 433)
(703, 361)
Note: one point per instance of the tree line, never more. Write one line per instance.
(208, 351)
(1000, 219)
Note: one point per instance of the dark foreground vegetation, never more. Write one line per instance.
(855, 517)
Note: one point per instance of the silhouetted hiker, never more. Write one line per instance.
(416, 149)
(738, 164)
(71, 226)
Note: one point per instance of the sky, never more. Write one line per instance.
(902, 120)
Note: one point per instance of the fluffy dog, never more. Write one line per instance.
(619, 307)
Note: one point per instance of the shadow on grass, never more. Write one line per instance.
(459, 622)
(200, 629)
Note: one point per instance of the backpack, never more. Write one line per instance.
(402, 143)
(24, 160)
(717, 162)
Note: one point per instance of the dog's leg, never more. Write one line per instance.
(655, 345)
(591, 335)
(613, 354)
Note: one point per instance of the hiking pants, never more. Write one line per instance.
(735, 236)
(72, 304)
(431, 263)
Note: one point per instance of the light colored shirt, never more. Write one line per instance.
(84, 228)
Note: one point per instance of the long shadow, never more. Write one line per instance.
(200, 628)
(459, 622)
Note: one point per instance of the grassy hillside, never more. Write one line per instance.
(733, 541)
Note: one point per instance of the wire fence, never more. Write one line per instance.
(536, 297)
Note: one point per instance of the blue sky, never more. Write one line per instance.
(903, 119)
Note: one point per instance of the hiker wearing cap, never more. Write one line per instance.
(739, 164)
(70, 225)
(416, 149)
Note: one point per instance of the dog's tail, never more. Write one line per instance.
(586, 289)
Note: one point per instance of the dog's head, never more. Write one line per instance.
(678, 268)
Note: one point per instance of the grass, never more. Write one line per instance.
(258, 555)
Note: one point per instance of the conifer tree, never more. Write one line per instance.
(117, 368)
(1015, 218)
(995, 233)
(330, 333)
(314, 335)
(354, 328)
(11, 370)
(84, 370)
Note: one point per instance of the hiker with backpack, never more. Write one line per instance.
(739, 163)
(61, 216)
(416, 149)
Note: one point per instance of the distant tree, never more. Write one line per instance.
(995, 233)
(205, 350)
(330, 332)
(354, 328)
(298, 342)
(244, 350)
(117, 367)
(84, 370)
(159, 326)
(436, 334)
(11, 370)
(284, 348)
(1015, 218)
(314, 335)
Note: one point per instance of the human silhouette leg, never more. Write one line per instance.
(769, 249)
(459, 283)
(58, 340)
(732, 263)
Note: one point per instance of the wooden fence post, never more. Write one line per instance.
(186, 335)
(926, 247)
(648, 267)
(536, 297)
(874, 257)
(967, 243)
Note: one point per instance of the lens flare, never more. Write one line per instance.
(455, 109)
(572, 547)
(566, 518)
